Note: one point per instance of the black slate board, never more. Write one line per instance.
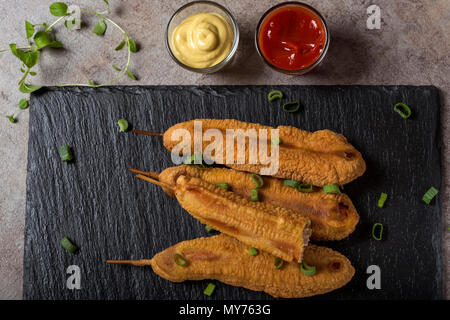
(110, 214)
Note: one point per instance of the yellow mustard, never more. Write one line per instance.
(202, 40)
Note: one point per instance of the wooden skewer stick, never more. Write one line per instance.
(154, 175)
(158, 183)
(148, 133)
(137, 263)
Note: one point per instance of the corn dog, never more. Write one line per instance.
(320, 158)
(333, 216)
(276, 230)
(228, 260)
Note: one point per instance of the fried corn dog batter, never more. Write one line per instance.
(278, 231)
(333, 216)
(228, 260)
(319, 158)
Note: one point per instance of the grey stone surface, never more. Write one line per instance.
(412, 47)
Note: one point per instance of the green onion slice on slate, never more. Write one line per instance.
(276, 141)
(123, 124)
(291, 183)
(179, 260)
(403, 110)
(223, 185)
(331, 188)
(291, 106)
(429, 195)
(380, 234)
(254, 195)
(278, 263)
(209, 289)
(253, 252)
(65, 153)
(305, 187)
(307, 270)
(258, 180)
(275, 94)
(68, 245)
(382, 200)
(209, 229)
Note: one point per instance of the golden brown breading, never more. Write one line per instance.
(319, 158)
(228, 260)
(264, 226)
(333, 216)
(276, 230)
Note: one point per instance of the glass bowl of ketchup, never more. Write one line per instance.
(292, 38)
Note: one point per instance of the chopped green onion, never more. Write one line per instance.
(189, 160)
(331, 188)
(209, 289)
(278, 263)
(223, 185)
(194, 159)
(276, 141)
(254, 195)
(403, 110)
(68, 245)
(305, 187)
(123, 124)
(253, 252)
(380, 235)
(258, 180)
(291, 183)
(65, 153)
(307, 270)
(275, 94)
(177, 258)
(291, 106)
(209, 229)
(429, 195)
(382, 200)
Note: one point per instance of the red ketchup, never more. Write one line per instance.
(292, 37)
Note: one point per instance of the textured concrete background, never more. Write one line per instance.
(411, 48)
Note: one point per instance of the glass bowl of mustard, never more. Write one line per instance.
(202, 36)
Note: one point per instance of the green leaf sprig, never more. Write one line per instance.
(41, 36)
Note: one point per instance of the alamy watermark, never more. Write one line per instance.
(374, 19)
(73, 20)
(234, 146)
(74, 280)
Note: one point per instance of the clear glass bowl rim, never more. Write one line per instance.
(299, 71)
(233, 48)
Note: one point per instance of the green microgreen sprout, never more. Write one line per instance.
(11, 118)
(40, 36)
(123, 124)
